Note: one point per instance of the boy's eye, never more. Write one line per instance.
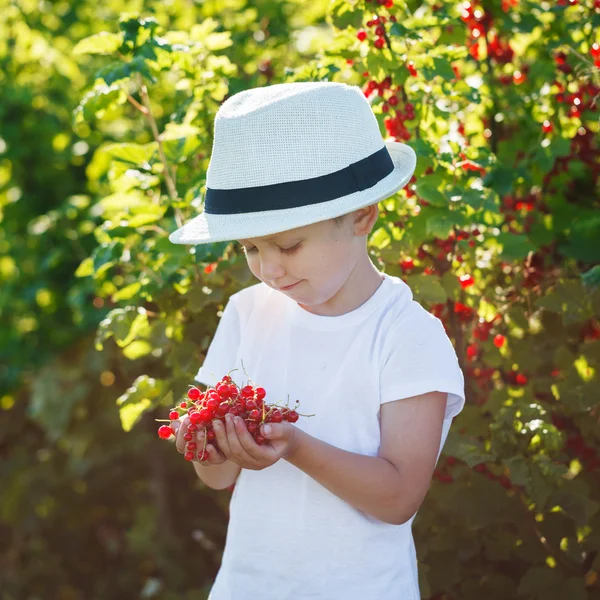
(291, 250)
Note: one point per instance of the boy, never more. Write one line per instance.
(324, 509)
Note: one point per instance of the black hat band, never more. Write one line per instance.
(356, 177)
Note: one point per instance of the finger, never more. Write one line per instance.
(221, 435)
(247, 441)
(237, 450)
(180, 441)
(214, 456)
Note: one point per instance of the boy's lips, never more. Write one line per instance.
(289, 287)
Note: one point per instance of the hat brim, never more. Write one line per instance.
(207, 228)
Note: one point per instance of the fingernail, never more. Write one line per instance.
(238, 421)
(267, 429)
(216, 424)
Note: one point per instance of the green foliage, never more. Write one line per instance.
(104, 322)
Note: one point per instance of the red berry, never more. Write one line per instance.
(193, 393)
(466, 281)
(260, 440)
(206, 414)
(260, 393)
(210, 435)
(250, 405)
(361, 35)
(188, 437)
(521, 379)
(191, 445)
(276, 416)
(202, 455)
(254, 415)
(223, 409)
(212, 404)
(173, 415)
(192, 428)
(252, 426)
(248, 391)
(165, 432)
(195, 418)
(379, 43)
(499, 341)
(189, 456)
(292, 416)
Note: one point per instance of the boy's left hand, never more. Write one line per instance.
(238, 445)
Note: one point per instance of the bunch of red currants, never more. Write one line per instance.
(203, 408)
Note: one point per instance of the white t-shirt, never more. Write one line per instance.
(289, 538)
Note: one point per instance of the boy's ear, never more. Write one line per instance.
(365, 219)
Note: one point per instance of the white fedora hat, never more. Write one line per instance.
(291, 154)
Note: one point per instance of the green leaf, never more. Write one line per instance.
(591, 278)
(99, 43)
(137, 349)
(124, 71)
(427, 187)
(141, 396)
(96, 102)
(106, 255)
(85, 268)
(380, 238)
(124, 324)
(569, 299)
(441, 224)
(501, 179)
(218, 41)
(138, 155)
(579, 507)
(514, 246)
(343, 14)
(130, 413)
(399, 30)
(427, 288)
(442, 67)
(128, 292)
(472, 454)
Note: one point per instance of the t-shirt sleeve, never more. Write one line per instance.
(222, 351)
(421, 358)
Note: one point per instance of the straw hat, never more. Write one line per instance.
(291, 154)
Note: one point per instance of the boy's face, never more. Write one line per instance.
(318, 258)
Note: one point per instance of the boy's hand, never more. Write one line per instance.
(238, 445)
(214, 456)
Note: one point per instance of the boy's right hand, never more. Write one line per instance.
(181, 428)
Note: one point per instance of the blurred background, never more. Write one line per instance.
(106, 123)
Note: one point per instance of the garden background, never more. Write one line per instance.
(105, 137)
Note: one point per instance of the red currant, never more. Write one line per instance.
(276, 416)
(194, 393)
(165, 432)
(173, 415)
(292, 416)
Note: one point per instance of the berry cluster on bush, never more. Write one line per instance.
(206, 407)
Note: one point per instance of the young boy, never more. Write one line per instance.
(323, 510)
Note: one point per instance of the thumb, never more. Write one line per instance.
(274, 431)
